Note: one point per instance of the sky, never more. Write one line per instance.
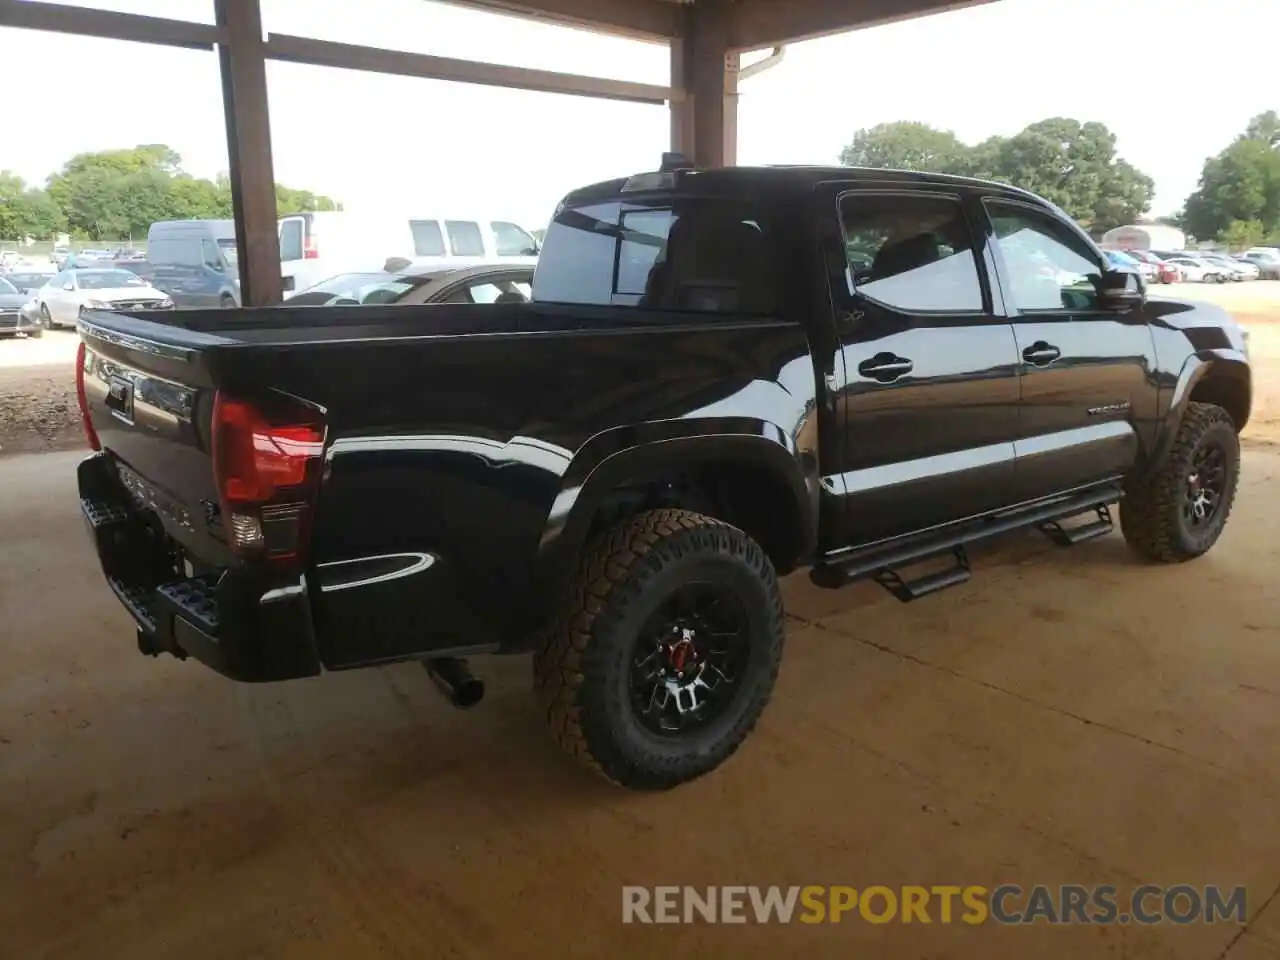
(1175, 80)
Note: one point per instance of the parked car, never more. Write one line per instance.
(1267, 259)
(12, 319)
(1164, 273)
(315, 246)
(1239, 270)
(29, 280)
(1199, 271)
(484, 284)
(195, 262)
(704, 394)
(64, 299)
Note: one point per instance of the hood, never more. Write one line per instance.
(12, 301)
(125, 293)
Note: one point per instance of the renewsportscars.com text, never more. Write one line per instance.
(1005, 904)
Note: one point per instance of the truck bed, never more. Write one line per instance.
(500, 412)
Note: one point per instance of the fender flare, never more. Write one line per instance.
(635, 453)
(1220, 362)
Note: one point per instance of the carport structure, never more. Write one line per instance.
(707, 39)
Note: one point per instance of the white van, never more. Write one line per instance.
(317, 246)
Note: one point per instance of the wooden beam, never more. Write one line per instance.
(347, 56)
(248, 122)
(769, 23)
(107, 24)
(654, 20)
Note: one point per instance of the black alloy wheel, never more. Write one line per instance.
(1206, 483)
(688, 659)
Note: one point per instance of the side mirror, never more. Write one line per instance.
(1120, 290)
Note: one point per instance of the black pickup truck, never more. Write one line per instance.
(723, 376)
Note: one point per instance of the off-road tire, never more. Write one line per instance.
(581, 668)
(1151, 512)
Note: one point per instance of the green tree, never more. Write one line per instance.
(1242, 234)
(26, 211)
(904, 145)
(299, 201)
(1240, 184)
(118, 194)
(1070, 163)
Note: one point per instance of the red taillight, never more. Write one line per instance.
(311, 249)
(268, 464)
(83, 358)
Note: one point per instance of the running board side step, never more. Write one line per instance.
(908, 590)
(883, 561)
(1070, 536)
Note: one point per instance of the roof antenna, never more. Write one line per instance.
(675, 161)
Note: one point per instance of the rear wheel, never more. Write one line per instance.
(666, 649)
(1179, 512)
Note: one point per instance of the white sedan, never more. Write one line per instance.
(61, 301)
(1199, 271)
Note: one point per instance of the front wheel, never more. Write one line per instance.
(665, 650)
(1178, 513)
(46, 320)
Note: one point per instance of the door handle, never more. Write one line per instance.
(1041, 354)
(885, 367)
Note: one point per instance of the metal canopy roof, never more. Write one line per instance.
(752, 23)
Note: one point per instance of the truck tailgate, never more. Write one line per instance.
(149, 397)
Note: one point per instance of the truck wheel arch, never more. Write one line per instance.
(748, 466)
(1220, 377)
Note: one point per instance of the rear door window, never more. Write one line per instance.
(912, 252)
(428, 240)
(465, 238)
(699, 255)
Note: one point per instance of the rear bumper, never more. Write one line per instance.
(230, 620)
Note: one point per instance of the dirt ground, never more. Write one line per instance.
(1068, 716)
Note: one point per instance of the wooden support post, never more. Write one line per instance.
(244, 99)
(704, 126)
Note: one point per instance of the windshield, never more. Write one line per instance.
(108, 279)
(363, 288)
(29, 281)
(7, 287)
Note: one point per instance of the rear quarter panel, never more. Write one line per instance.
(478, 447)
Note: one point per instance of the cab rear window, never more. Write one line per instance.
(701, 255)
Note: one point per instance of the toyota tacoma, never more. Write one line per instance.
(722, 376)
